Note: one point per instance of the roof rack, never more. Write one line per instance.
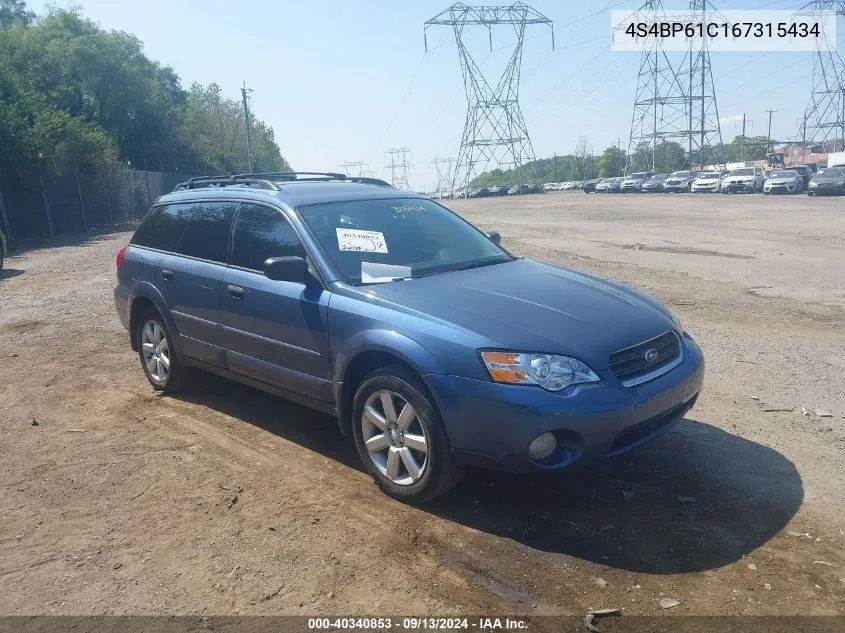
(271, 180)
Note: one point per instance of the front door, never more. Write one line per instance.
(276, 331)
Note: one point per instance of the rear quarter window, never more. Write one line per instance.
(162, 227)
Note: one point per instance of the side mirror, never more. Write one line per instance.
(293, 269)
(495, 237)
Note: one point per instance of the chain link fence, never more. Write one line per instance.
(39, 204)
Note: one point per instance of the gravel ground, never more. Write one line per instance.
(226, 500)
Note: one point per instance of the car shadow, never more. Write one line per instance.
(8, 273)
(696, 498)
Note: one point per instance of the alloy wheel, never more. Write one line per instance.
(395, 439)
(155, 351)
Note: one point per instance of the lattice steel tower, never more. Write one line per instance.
(495, 131)
(825, 115)
(444, 168)
(660, 104)
(704, 137)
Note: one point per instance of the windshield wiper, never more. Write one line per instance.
(479, 263)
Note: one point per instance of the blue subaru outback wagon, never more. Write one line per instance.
(434, 347)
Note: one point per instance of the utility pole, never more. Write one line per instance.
(744, 120)
(769, 135)
(351, 165)
(803, 138)
(247, 125)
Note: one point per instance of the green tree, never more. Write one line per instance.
(71, 91)
(14, 13)
(611, 162)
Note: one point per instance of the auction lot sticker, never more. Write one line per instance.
(361, 241)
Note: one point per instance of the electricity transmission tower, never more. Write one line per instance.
(351, 166)
(494, 131)
(398, 167)
(824, 118)
(660, 104)
(704, 139)
(675, 103)
(443, 166)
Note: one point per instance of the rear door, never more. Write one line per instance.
(191, 279)
(276, 331)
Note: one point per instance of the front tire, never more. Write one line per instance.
(157, 354)
(400, 436)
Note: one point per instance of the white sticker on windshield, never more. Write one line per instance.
(361, 241)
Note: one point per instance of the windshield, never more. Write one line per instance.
(831, 172)
(638, 176)
(680, 174)
(374, 241)
(784, 174)
(742, 172)
(710, 176)
(657, 178)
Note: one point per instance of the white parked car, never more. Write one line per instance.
(783, 181)
(707, 182)
(747, 179)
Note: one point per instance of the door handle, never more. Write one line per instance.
(167, 274)
(236, 291)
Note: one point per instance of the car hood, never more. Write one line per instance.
(526, 305)
(828, 179)
(708, 181)
(782, 181)
(740, 178)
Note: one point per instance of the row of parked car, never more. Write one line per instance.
(487, 192)
(790, 179)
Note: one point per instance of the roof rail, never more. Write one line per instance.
(271, 180)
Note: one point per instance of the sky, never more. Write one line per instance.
(345, 81)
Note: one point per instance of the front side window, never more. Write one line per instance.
(261, 233)
(380, 240)
(207, 233)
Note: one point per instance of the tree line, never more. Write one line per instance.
(613, 161)
(72, 93)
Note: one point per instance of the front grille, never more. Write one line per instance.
(631, 367)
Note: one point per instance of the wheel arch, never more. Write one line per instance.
(370, 350)
(143, 297)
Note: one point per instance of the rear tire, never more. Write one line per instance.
(157, 354)
(400, 436)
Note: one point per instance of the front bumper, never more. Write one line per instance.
(491, 424)
(826, 190)
(780, 189)
(737, 187)
(705, 188)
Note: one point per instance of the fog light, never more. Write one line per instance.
(542, 446)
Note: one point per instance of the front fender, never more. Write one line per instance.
(398, 345)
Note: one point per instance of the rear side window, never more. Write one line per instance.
(262, 233)
(162, 227)
(207, 233)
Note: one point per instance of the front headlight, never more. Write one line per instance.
(549, 371)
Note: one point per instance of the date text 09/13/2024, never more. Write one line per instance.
(417, 624)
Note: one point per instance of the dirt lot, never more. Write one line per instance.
(226, 500)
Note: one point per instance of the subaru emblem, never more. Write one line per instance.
(652, 356)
